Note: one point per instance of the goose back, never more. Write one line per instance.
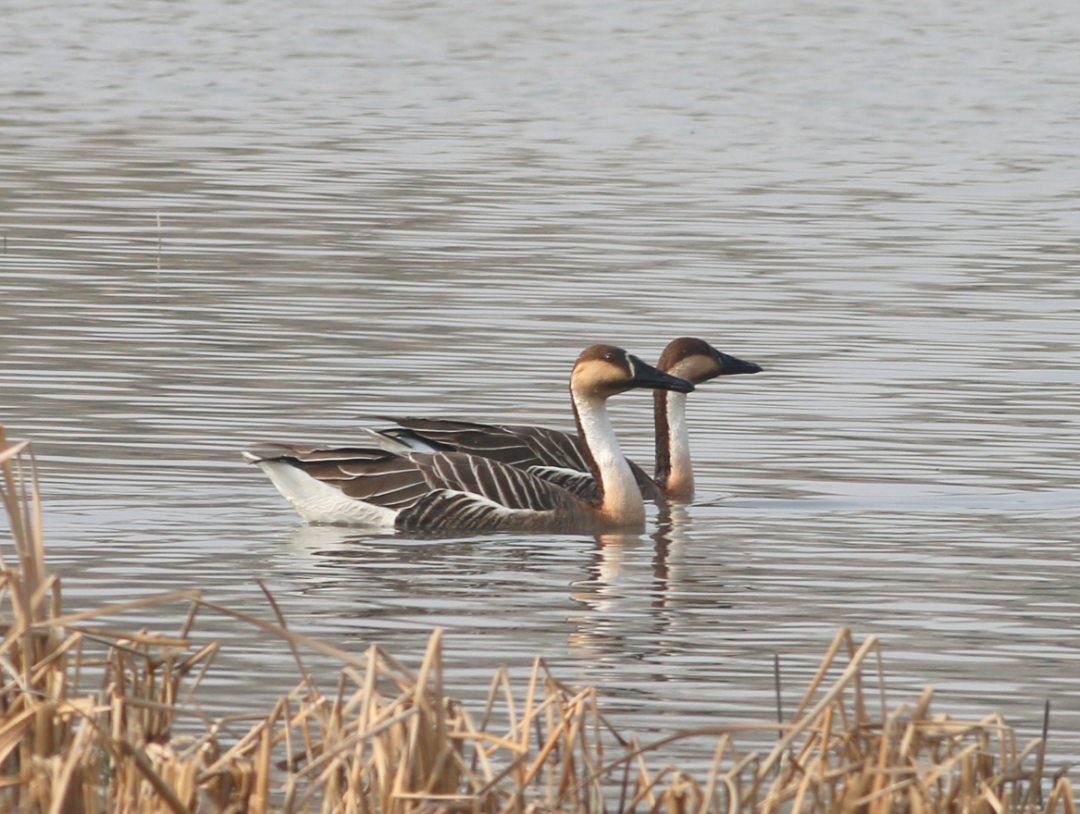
(552, 455)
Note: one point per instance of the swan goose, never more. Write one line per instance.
(698, 362)
(447, 490)
(559, 456)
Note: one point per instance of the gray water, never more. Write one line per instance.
(233, 222)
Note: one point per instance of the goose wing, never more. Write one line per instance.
(478, 493)
(513, 445)
(506, 486)
(580, 484)
(562, 461)
(552, 455)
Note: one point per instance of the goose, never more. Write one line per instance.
(446, 490)
(559, 457)
(696, 361)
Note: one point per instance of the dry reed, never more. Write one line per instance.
(388, 740)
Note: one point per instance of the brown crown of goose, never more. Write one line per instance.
(602, 370)
(692, 359)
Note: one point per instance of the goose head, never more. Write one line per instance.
(697, 361)
(604, 370)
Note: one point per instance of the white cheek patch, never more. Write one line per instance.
(697, 368)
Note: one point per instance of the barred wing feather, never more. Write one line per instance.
(504, 485)
(480, 494)
(551, 455)
(580, 484)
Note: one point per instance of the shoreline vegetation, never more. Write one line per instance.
(90, 721)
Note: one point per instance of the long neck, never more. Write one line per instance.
(674, 472)
(620, 497)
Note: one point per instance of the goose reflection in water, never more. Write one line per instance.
(636, 593)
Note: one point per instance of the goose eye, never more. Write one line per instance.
(610, 357)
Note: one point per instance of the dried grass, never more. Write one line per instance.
(388, 740)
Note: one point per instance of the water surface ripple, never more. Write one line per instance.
(225, 223)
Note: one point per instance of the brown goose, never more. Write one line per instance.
(696, 361)
(559, 457)
(444, 490)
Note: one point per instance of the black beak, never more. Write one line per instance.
(732, 365)
(645, 375)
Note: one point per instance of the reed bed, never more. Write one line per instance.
(88, 723)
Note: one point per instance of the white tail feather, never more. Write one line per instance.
(318, 502)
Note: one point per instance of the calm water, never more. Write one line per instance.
(226, 223)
